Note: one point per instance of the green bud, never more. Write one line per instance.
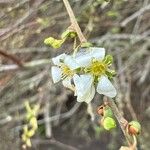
(73, 34)
(53, 42)
(134, 127)
(86, 45)
(68, 33)
(109, 123)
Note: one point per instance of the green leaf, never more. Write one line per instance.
(53, 42)
(109, 123)
(108, 112)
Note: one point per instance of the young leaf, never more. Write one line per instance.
(108, 112)
(109, 123)
(53, 42)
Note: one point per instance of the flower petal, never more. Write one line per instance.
(84, 57)
(56, 60)
(67, 83)
(85, 90)
(105, 87)
(88, 95)
(71, 62)
(97, 52)
(56, 74)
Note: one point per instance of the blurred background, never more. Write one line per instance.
(121, 26)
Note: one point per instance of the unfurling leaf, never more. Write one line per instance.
(109, 123)
(53, 42)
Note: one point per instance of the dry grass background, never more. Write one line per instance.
(121, 26)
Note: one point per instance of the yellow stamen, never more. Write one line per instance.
(97, 68)
(66, 71)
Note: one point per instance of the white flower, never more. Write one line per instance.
(64, 69)
(96, 67)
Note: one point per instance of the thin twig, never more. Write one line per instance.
(11, 57)
(74, 23)
(135, 15)
(48, 127)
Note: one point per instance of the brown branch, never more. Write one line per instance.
(135, 15)
(12, 57)
(74, 23)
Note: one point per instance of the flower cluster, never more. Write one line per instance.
(30, 128)
(85, 73)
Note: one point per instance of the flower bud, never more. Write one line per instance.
(68, 33)
(134, 128)
(53, 42)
